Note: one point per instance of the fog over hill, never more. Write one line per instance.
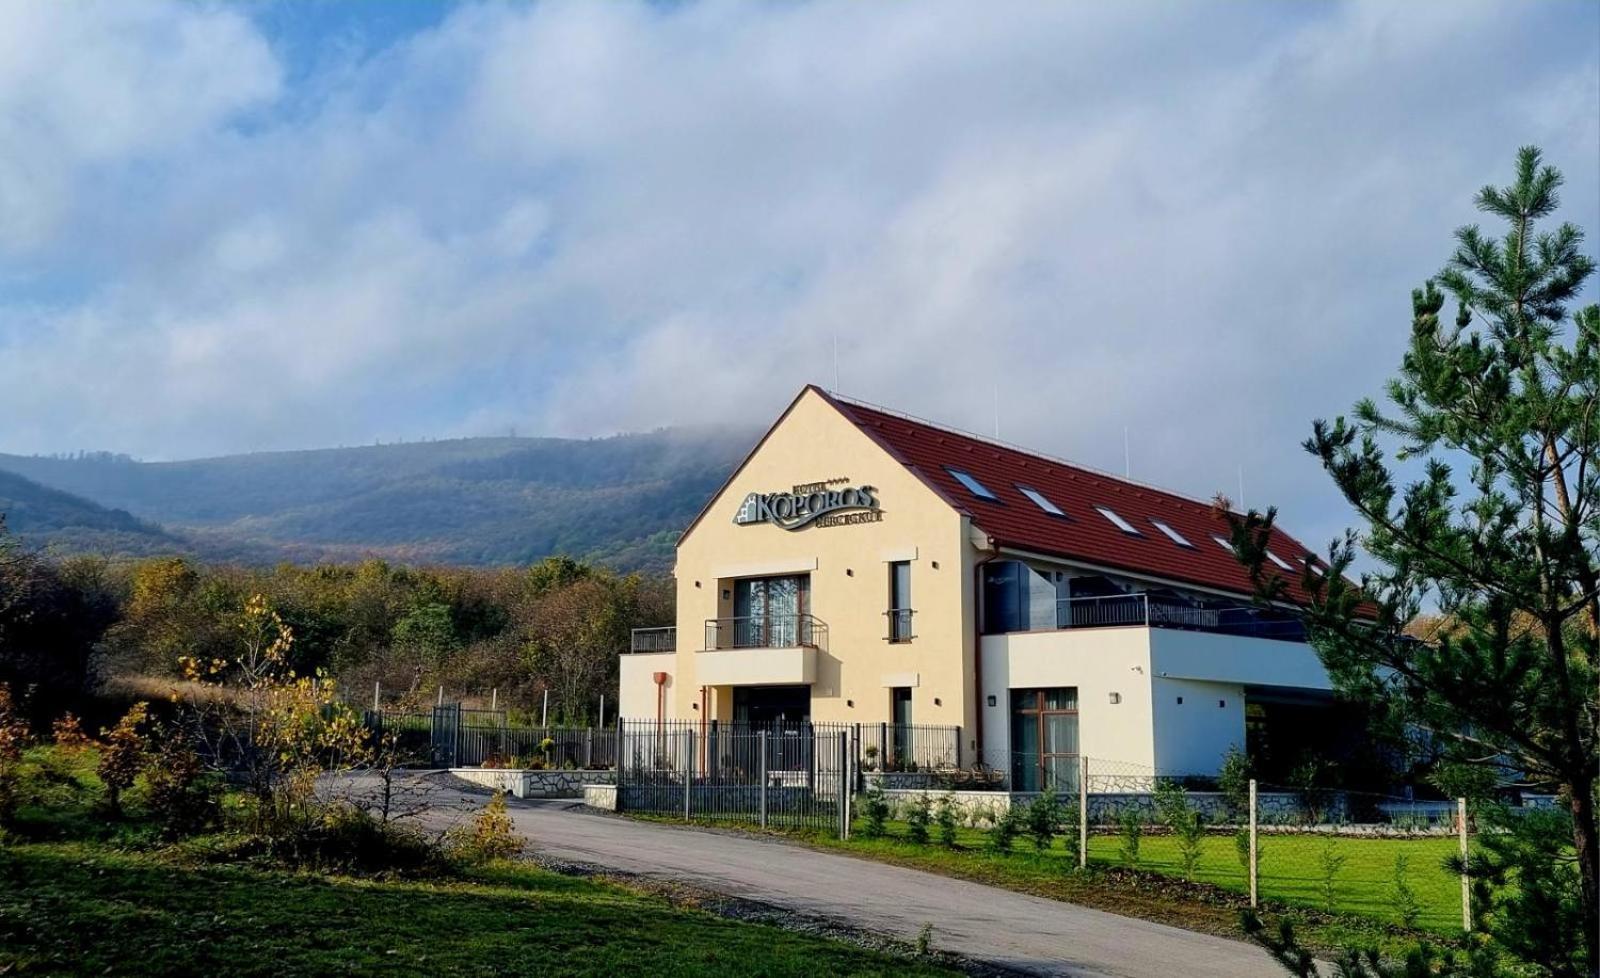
(621, 500)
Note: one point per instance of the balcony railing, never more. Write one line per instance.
(766, 632)
(1157, 612)
(900, 624)
(655, 639)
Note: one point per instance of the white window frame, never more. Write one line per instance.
(1117, 521)
(972, 484)
(1173, 535)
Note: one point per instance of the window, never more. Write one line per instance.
(1284, 564)
(900, 601)
(1118, 522)
(1017, 598)
(1172, 534)
(1041, 502)
(1044, 739)
(1224, 544)
(973, 485)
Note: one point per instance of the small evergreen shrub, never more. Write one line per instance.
(1329, 862)
(945, 818)
(875, 812)
(918, 814)
(1402, 896)
(1007, 826)
(1130, 828)
(1044, 819)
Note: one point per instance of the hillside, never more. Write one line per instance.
(620, 500)
(42, 516)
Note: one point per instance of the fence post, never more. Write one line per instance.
(1466, 886)
(377, 689)
(844, 786)
(688, 769)
(616, 761)
(761, 739)
(588, 747)
(1253, 859)
(1083, 812)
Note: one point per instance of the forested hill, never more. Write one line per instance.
(40, 515)
(620, 500)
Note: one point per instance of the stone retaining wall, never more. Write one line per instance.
(527, 783)
(602, 796)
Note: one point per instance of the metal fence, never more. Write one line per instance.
(793, 776)
(450, 735)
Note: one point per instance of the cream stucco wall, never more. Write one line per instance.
(848, 567)
(1099, 662)
(637, 687)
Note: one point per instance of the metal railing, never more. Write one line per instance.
(655, 639)
(449, 735)
(1157, 612)
(900, 624)
(765, 632)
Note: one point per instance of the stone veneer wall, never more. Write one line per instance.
(978, 809)
(602, 796)
(523, 783)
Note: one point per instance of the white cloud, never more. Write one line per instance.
(579, 217)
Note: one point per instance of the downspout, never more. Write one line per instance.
(977, 645)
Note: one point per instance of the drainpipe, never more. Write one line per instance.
(977, 644)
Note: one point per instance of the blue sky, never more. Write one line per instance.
(255, 226)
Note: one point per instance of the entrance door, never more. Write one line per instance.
(784, 712)
(768, 609)
(900, 730)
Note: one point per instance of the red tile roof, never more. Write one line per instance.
(1083, 534)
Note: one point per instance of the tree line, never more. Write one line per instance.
(89, 634)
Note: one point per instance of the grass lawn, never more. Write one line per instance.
(83, 895)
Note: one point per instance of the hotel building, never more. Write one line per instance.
(864, 567)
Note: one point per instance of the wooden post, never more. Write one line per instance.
(494, 698)
(1466, 884)
(762, 750)
(377, 688)
(1253, 860)
(1083, 812)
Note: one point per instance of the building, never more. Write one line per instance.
(864, 567)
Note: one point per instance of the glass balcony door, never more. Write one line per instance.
(767, 610)
(1044, 739)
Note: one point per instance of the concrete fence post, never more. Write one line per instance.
(1466, 884)
(1254, 896)
(761, 750)
(588, 747)
(1083, 812)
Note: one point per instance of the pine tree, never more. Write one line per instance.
(1500, 527)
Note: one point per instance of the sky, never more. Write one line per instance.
(245, 227)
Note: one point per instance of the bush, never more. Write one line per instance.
(183, 799)
(918, 814)
(1070, 841)
(68, 733)
(123, 755)
(1329, 861)
(1044, 819)
(13, 733)
(1188, 825)
(946, 820)
(1007, 826)
(875, 810)
(1130, 823)
(490, 836)
(343, 838)
(1233, 781)
(1402, 896)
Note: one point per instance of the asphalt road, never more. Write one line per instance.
(1014, 930)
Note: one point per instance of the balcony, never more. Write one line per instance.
(900, 624)
(764, 650)
(766, 632)
(655, 639)
(1143, 610)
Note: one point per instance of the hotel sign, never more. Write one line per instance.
(812, 504)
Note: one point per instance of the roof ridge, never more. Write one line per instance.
(848, 400)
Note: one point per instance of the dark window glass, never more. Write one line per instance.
(1044, 739)
(900, 601)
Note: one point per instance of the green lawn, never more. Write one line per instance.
(83, 895)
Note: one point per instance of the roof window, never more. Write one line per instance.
(973, 485)
(1040, 501)
(1118, 521)
(1283, 564)
(1172, 534)
(1224, 544)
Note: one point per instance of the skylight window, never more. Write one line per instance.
(1311, 562)
(1172, 534)
(1118, 521)
(1224, 544)
(1041, 502)
(1284, 564)
(973, 485)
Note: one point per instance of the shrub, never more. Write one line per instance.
(1007, 826)
(946, 820)
(1188, 825)
(1044, 819)
(182, 797)
(1130, 824)
(918, 814)
(13, 733)
(123, 754)
(343, 838)
(875, 810)
(1402, 896)
(68, 733)
(1329, 862)
(1070, 841)
(1233, 781)
(1241, 847)
(490, 836)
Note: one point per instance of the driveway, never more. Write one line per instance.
(1014, 930)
